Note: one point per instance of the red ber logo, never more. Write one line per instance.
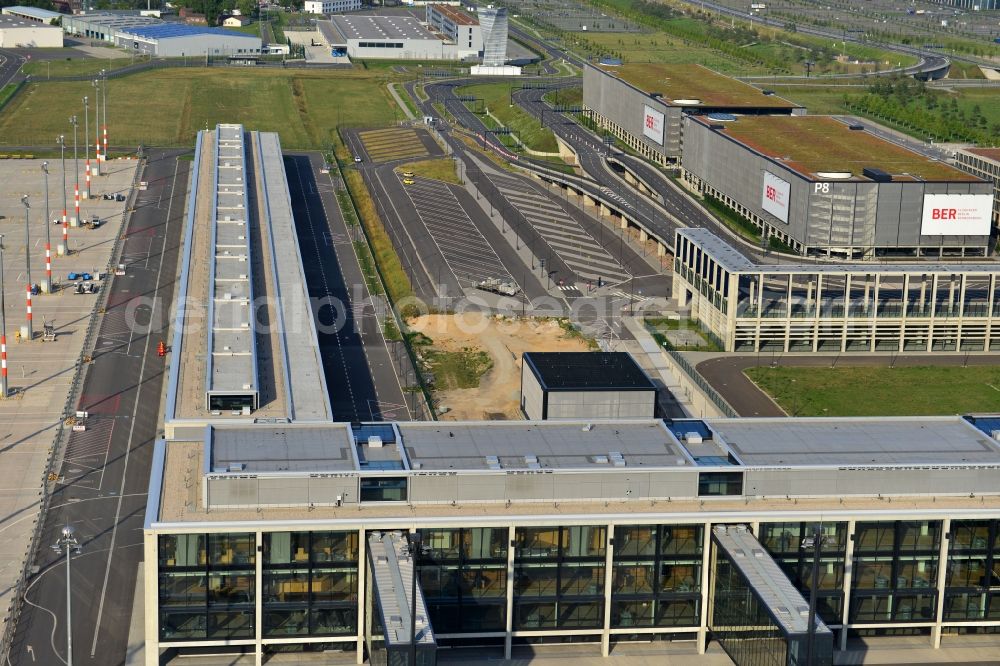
(771, 193)
(944, 214)
(650, 122)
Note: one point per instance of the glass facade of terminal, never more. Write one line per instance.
(560, 578)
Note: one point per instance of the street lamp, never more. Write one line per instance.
(104, 125)
(62, 151)
(816, 541)
(48, 234)
(3, 331)
(67, 541)
(76, 188)
(97, 127)
(86, 145)
(27, 263)
(413, 540)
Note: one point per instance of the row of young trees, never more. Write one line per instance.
(909, 104)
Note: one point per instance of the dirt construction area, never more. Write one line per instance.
(504, 339)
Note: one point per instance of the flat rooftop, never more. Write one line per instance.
(8, 21)
(815, 145)
(694, 86)
(588, 371)
(735, 261)
(112, 21)
(380, 27)
(988, 153)
(856, 441)
(181, 30)
(457, 16)
(34, 12)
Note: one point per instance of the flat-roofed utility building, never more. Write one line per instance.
(460, 28)
(35, 14)
(829, 189)
(585, 385)
(643, 104)
(397, 37)
(19, 32)
(983, 163)
(256, 536)
(839, 307)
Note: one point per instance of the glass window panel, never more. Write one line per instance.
(677, 612)
(334, 546)
(919, 535)
(581, 580)
(383, 489)
(681, 539)
(333, 620)
(286, 548)
(439, 581)
(870, 609)
(536, 581)
(584, 541)
(580, 615)
(329, 585)
(183, 589)
(484, 617)
(635, 541)
(279, 623)
(183, 625)
(537, 542)
(873, 572)
(632, 614)
(633, 578)
(966, 572)
(680, 576)
(535, 615)
(994, 606)
(970, 534)
(441, 544)
(875, 537)
(965, 606)
(287, 586)
(831, 574)
(781, 538)
(484, 582)
(485, 543)
(919, 573)
(182, 550)
(232, 624)
(915, 608)
(231, 549)
(230, 588)
(720, 483)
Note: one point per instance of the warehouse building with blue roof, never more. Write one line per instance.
(169, 40)
(158, 38)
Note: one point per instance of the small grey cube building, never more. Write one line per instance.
(585, 385)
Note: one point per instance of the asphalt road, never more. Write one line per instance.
(106, 502)
(360, 370)
(10, 66)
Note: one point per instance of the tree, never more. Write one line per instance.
(247, 7)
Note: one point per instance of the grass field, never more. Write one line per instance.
(442, 169)
(881, 391)
(168, 107)
(496, 97)
(658, 47)
(71, 66)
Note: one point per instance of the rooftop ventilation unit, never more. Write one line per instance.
(693, 437)
(600, 460)
(236, 467)
(374, 442)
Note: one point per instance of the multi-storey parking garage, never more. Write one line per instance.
(826, 188)
(835, 307)
(643, 104)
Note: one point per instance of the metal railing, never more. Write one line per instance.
(61, 438)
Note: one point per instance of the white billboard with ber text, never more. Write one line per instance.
(774, 198)
(956, 215)
(652, 125)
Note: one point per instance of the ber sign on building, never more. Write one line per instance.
(956, 215)
(775, 196)
(652, 125)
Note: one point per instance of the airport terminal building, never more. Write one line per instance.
(643, 104)
(830, 189)
(833, 308)
(265, 538)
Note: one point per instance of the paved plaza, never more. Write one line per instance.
(41, 373)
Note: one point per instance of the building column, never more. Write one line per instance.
(608, 578)
(942, 574)
(848, 575)
(258, 596)
(362, 594)
(706, 559)
(508, 639)
(151, 602)
(847, 312)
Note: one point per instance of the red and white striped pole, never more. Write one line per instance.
(86, 187)
(27, 298)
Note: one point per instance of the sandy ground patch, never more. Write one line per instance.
(504, 339)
